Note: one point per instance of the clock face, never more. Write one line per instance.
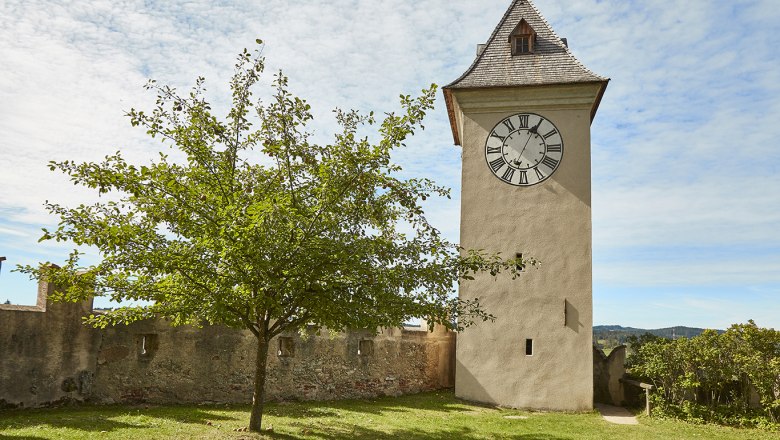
(524, 149)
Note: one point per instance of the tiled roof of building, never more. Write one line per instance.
(551, 62)
(496, 66)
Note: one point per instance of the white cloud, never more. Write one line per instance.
(685, 157)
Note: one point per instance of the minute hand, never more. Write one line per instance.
(526, 143)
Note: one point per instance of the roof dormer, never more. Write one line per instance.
(522, 38)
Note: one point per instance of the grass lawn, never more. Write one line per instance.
(437, 415)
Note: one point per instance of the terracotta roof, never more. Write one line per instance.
(551, 62)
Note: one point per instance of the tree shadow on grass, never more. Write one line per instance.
(20, 437)
(103, 418)
(437, 402)
(349, 419)
(321, 427)
(363, 433)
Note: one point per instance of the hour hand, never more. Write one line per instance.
(535, 128)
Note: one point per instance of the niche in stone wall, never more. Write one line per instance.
(365, 347)
(147, 345)
(286, 347)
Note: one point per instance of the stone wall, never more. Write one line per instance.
(48, 356)
(607, 372)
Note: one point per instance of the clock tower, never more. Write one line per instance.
(522, 114)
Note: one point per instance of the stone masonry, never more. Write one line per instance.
(47, 356)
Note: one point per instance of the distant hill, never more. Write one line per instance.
(610, 336)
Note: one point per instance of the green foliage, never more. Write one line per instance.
(757, 353)
(260, 228)
(711, 377)
(258, 224)
(635, 343)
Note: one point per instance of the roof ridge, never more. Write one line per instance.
(544, 20)
(551, 63)
(492, 36)
(555, 34)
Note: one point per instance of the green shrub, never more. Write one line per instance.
(710, 377)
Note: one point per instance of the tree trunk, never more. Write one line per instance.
(258, 396)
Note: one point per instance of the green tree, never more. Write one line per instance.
(635, 342)
(712, 376)
(259, 228)
(757, 356)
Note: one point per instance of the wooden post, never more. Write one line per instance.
(647, 401)
(646, 386)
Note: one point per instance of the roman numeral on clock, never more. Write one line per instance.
(550, 162)
(508, 174)
(496, 135)
(508, 124)
(512, 137)
(523, 121)
(554, 148)
(496, 165)
(523, 177)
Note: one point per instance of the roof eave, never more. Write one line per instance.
(451, 114)
(597, 102)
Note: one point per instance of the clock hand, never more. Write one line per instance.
(526, 143)
(535, 128)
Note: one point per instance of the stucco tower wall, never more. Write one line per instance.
(550, 221)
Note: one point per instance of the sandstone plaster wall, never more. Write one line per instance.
(550, 305)
(48, 356)
(607, 372)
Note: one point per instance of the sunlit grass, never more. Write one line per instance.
(424, 416)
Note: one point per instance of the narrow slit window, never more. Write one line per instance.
(286, 347)
(529, 347)
(147, 345)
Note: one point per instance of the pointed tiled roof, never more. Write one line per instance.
(551, 62)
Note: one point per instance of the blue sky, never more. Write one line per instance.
(686, 188)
